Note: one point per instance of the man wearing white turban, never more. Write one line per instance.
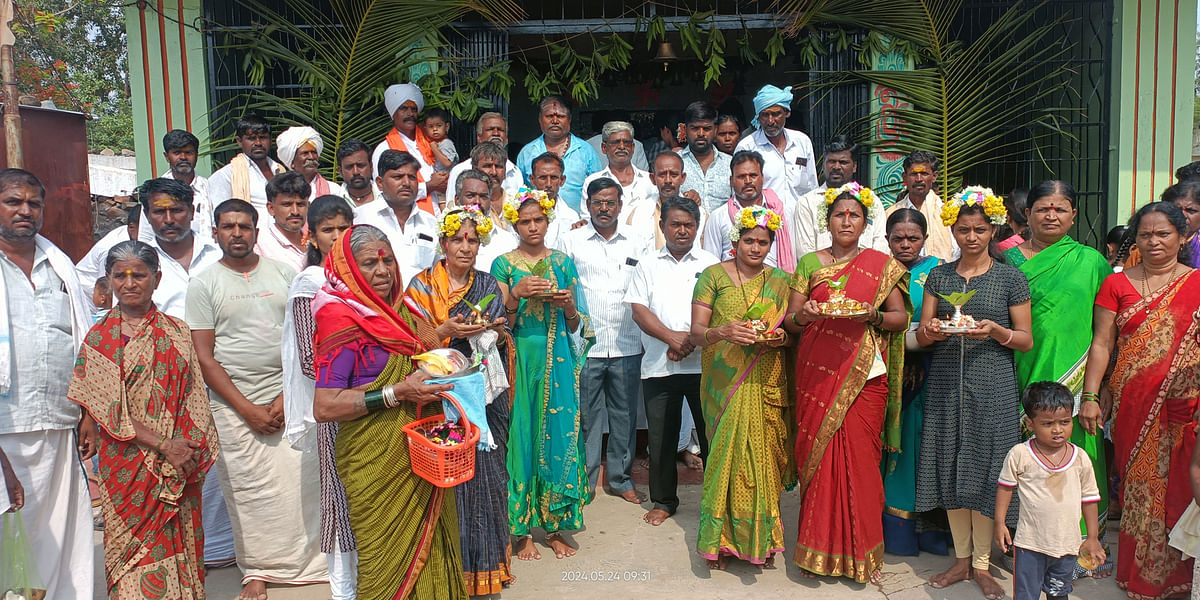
(300, 149)
(404, 102)
(789, 169)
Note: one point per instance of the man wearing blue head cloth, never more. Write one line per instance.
(789, 167)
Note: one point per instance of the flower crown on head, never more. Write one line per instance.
(451, 221)
(751, 217)
(863, 194)
(993, 205)
(513, 203)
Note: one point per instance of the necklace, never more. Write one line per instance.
(1146, 278)
(850, 256)
(742, 285)
(1054, 464)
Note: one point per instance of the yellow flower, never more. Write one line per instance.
(949, 213)
(866, 197)
(773, 222)
(831, 194)
(510, 212)
(483, 226)
(747, 218)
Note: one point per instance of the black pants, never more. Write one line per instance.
(664, 401)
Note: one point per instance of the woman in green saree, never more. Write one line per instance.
(745, 396)
(547, 478)
(407, 529)
(1064, 278)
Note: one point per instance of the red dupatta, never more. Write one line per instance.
(834, 358)
(348, 311)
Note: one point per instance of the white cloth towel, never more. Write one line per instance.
(495, 380)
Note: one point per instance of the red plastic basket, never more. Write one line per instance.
(443, 466)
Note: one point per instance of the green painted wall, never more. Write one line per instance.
(157, 60)
(1154, 50)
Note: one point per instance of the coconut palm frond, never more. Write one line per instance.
(345, 58)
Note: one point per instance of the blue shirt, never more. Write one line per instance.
(579, 162)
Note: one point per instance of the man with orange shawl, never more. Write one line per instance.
(404, 101)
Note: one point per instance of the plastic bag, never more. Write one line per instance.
(19, 578)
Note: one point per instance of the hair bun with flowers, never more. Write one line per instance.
(993, 205)
(751, 217)
(451, 221)
(514, 202)
(860, 192)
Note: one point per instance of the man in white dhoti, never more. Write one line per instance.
(235, 309)
(42, 305)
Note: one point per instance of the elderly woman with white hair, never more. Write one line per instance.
(299, 149)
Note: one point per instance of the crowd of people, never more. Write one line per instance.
(235, 368)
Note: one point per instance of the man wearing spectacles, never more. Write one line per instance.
(605, 254)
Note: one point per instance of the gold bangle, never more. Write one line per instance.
(158, 446)
(705, 336)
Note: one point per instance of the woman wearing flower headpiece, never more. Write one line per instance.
(737, 310)
(972, 406)
(547, 485)
(1146, 315)
(450, 294)
(848, 380)
(1064, 277)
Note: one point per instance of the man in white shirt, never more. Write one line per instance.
(810, 225)
(43, 320)
(605, 257)
(644, 219)
(706, 167)
(246, 176)
(748, 191)
(181, 254)
(547, 176)
(404, 102)
(357, 173)
(283, 237)
(475, 187)
(491, 127)
(660, 295)
(920, 173)
(411, 232)
(180, 148)
(789, 168)
(91, 267)
(300, 148)
(617, 145)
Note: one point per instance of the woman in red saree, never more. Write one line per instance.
(138, 377)
(1147, 314)
(848, 387)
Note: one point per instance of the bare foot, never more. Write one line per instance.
(526, 550)
(877, 576)
(770, 562)
(656, 517)
(719, 564)
(634, 497)
(991, 588)
(808, 574)
(559, 546)
(961, 571)
(254, 590)
(692, 461)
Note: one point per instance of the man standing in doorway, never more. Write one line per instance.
(246, 176)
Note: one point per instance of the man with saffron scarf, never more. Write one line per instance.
(747, 183)
(404, 101)
(246, 176)
(300, 149)
(235, 310)
(406, 529)
(789, 168)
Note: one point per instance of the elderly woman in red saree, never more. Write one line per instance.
(1147, 315)
(138, 377)
(737, 307)
(367, 332)
(849, 375)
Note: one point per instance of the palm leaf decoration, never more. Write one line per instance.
(973, 101)
(345, 58)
